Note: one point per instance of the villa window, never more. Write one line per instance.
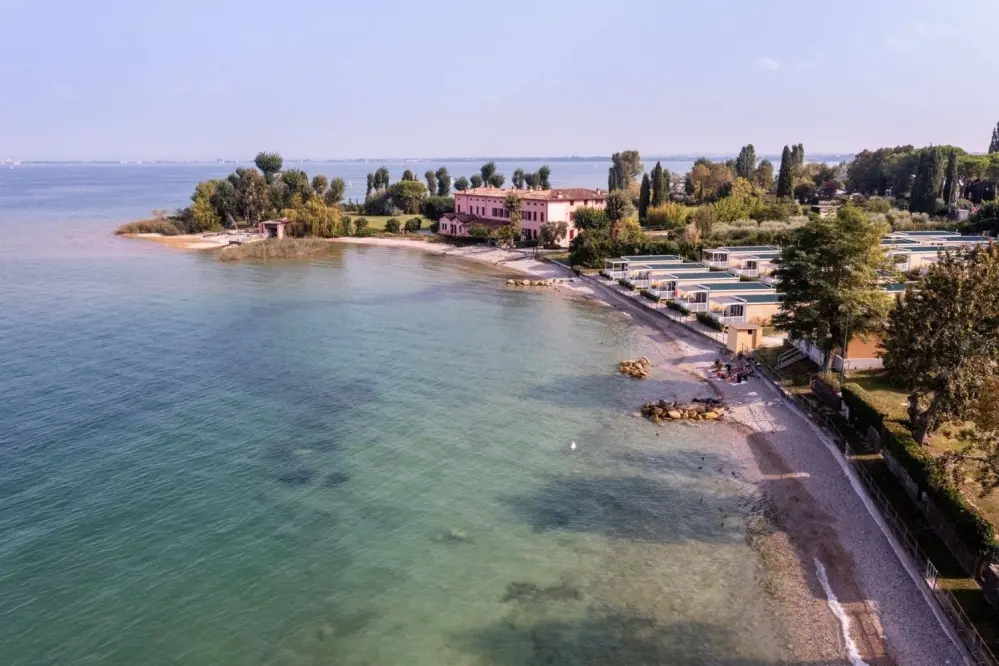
(572, 203)
(572, 217)
(542, 217)
(572, 234)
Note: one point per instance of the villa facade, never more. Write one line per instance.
(485, 206)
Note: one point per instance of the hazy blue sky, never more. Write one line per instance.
(196, 79)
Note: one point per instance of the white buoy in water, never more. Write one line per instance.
(573, 446)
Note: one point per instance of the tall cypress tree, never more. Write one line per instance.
(745, 163)
(950, 182)
(994, 146)
(923, 198)
(660, 185)
(612, 183)
(644, 195)
(799, 160)
(785, 178)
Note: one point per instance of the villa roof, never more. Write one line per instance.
(558, 194)
(466, 218)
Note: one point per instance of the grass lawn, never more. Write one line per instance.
(377, 222)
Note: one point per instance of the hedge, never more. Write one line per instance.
(624, 283)
(866, 411)
(932, 477)
(645, 292)
(710, 321)
(676, 307)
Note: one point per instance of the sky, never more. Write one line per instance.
(208, 79)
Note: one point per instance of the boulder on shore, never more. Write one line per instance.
(683, 411)
(529, 283)
(637, 368)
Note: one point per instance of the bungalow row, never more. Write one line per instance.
(724, 295)
(753, 261)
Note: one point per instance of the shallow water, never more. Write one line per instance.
(357, 460)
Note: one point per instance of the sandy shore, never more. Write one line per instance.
(518, 261)
(830, 567)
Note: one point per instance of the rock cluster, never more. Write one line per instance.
(637, 368)
(530, 283)
(710, 410)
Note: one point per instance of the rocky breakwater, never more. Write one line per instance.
(637, 368)
(530, 283)
(708, 409)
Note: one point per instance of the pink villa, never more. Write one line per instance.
(484, 206)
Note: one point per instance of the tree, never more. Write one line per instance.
(319, 184)
(829, 278)
(382, 178)
(226, 202)
(314, 218)
(487, 170)
(434, 208)
(431, 177)
(269, 164)
(627, 231)
(371, 184)
(497, 180)
(745, 163)
(544, 176)
(461, 184)
(704, 220)
(392, 225)
(509, 233)
(660, 185)
(443, 182)
(413, 225)
(709, 179)
(797, 157)
(334, 194)
(618, 206)
(407, 195)
(518, 179)
(408, 175)
(980, 444)
(204, 216)
(587, 219)
(552, 233)
(764, 175)
(950, 180)
(626, 167)
(868, 173)
(941, 343)
(475, 180)
(645, 195)
(531, 180)
(253, 196)
(612, 183)
(925, 187)
(994, 146)
(297, 182)
(785, 178)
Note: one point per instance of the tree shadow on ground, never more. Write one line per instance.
(618, 638)
(633, 508)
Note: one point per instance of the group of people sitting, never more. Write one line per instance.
(739, 372)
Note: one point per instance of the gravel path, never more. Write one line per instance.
(815, 505)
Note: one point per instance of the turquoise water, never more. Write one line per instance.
(360, 460)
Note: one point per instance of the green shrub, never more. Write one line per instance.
(392, 225)
(710, 321)
(676, 307)
(624, 283)
(645, 292)
(931, 476)
(364, 232)
(165, 227)
(413, 225)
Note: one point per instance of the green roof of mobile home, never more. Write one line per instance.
(925, 249)
(651, 257)
(746, 248)
(761, 298)
(899, 241)
(930, 232)
(894, 287)
(672, 265)
(713, 275)
(735, 287)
